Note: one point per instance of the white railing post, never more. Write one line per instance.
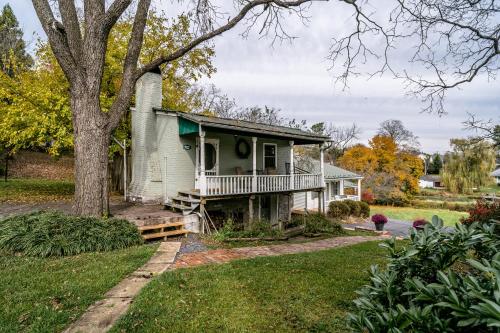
(203, 179)
(254, 164)
(292, 178)
(359, 189)
(322, 166)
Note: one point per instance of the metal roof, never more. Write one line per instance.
(248, 127)
(331, 171)
(431, 178)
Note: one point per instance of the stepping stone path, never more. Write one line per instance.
(101, 316)
(224, 255)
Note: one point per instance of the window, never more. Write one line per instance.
(269, 155)
(334, 189)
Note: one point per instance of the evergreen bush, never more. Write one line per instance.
(440, 282)
(338, 209)
(354, 207)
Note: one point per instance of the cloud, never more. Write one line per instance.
(294, 77)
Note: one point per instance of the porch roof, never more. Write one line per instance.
(248, 128)
(331, 171)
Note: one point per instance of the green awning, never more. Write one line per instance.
(187, 126)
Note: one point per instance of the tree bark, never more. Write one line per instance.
(91, 137)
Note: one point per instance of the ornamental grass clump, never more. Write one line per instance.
(45, 234)
(440, 281)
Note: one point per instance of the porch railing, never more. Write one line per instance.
(245, 184)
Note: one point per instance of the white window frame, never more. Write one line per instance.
(264, 154)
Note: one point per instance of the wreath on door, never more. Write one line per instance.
(242, 148)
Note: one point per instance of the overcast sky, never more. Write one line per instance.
(295, 78)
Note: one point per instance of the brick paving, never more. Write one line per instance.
(220, 256)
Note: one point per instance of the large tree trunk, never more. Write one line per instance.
(91, 136)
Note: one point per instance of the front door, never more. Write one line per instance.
(211, 157)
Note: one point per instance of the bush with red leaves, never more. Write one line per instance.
(483, 212)
(367, 196)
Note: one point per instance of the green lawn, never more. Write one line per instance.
(450, 217)
(35, 190)
(310, 292)
(45, 295)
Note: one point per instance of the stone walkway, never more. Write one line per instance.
(225, 255)
(101, 316)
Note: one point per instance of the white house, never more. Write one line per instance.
(340, 184)
(222, 168)
(496, 174)
(230, 168)
(430, 181)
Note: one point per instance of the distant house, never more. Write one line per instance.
(496, 174)
(430, 181)
(341, 184)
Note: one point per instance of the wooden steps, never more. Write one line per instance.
(163, 230)
(185, 202)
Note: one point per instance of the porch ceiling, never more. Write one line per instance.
(248, 128)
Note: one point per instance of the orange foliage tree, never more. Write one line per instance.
(389, 172)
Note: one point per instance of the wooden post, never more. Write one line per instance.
(341, 189)
(320, 208)
(254, 164)
(250, 209)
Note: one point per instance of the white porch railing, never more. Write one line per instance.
(245, 184)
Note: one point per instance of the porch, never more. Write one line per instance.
(238, 161)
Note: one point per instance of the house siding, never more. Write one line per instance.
(230, 161)
(179, 162)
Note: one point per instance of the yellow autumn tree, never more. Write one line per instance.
(34, 104)
(389, 172)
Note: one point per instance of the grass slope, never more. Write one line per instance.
(45, 295)
(35, 190)
(449, 217)
(293, 293)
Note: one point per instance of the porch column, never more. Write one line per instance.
(203, 180)
(292, 176)
(341, 187)
(359, 189)
(254, 164)
(321, 164)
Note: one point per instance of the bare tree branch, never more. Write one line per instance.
(209, 35)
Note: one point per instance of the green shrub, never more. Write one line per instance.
(338, 209)
(256, 229)
(441, 282)
(364, 209)
(45, 234)
(354, 208)
(319, 224)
